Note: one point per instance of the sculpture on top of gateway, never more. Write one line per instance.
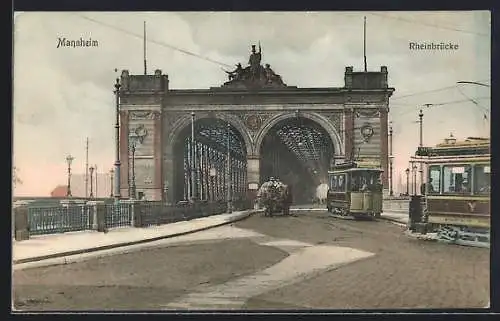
(254, 75)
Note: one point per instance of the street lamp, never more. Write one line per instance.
(407, 171)
(132, 185)
(117, 141)
(212, 173)
(69, 160)
(96, 193)
(228, 173)
(91, 170)
(391, 193)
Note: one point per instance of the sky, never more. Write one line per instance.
(63, 95)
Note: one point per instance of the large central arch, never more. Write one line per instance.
(315, 117)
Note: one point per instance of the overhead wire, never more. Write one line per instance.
(172, 47)
(437, 104)
(163, 44)
(430, 25)
(433, 90)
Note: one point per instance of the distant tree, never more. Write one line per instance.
(15, 176)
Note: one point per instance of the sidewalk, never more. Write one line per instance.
(44, 247)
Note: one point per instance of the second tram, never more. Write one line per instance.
(457, 192)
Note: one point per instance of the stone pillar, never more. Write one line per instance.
(349, 132)
(158, 155)
(384, 147)
(137, 209)
(124, 153)
(21, 223)
(253, 178)
(99, 215)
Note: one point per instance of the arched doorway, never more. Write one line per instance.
(202, 170)
(299, 152)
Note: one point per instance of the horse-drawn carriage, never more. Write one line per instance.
(275, 196)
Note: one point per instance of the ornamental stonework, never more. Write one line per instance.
(144, 172)
(143, 115)
(335, 119)
(254, 120)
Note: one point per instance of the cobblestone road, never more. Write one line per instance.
(395, 272)
(404, 273)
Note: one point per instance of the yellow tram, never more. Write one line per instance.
(355, 191)
(457, 191)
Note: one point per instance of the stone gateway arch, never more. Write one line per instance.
(251, 127)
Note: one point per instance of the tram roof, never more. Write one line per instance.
(356, 169)
(477, 158)
(472, 147)
(360, 165)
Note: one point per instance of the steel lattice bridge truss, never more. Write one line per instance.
(217, 133)
(307, 143)
(208, 175)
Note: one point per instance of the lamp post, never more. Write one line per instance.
(96, 193)
(414, 179)
(407, 171)
(212, 173)
(69, 160)
(421, 144)
(132, 192)
(228, 173)
(390, 162)
(117, 141)
(111, 171)
(91, 170)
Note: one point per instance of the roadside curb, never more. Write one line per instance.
(391, 219)
(113, 246)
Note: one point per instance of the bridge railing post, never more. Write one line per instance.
(21, 223)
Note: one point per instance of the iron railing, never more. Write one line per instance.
(49, 220)
(157, 214)
(118, 215)
(80, 217)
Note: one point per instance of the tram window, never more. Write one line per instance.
(456, 179)
(434, 179)
(341, 183)
(374, 182)
(333, 182)
(338, 183)
(482, 179)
